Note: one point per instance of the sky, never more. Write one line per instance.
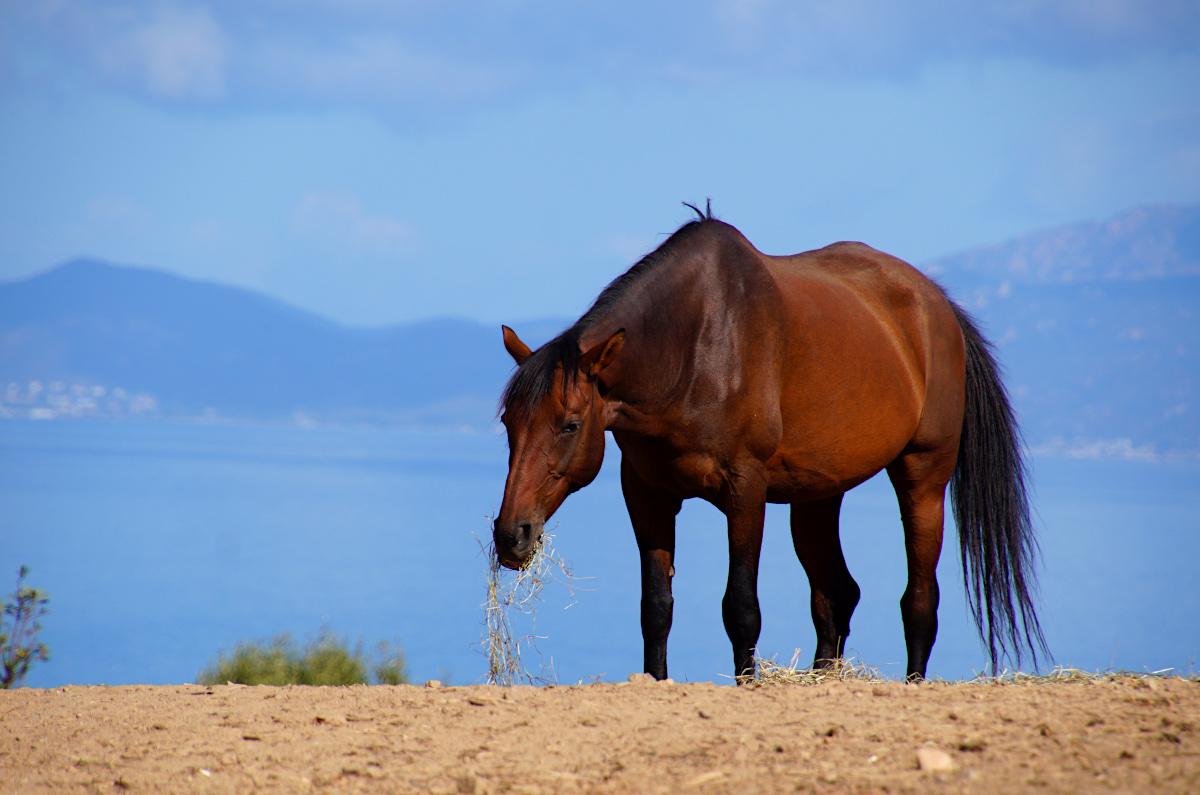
(502, 160)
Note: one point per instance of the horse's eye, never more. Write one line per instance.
(570, 427)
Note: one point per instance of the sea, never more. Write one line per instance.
(161, 546)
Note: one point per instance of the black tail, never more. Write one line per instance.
(991, 509)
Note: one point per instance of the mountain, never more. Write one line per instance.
(1145, 243)
(1097, 325)
(111, 341)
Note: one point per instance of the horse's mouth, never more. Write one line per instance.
(513, 563)
(508, 564)
(515, 550)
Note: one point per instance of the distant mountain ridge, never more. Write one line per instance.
(1098, 327)
(1151, 242)
(201, 349)
(1097, 324)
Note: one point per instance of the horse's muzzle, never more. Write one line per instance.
(515, 543)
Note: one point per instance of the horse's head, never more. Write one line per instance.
(555, 418)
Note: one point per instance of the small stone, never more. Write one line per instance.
(641, 679)
(434, 683)
(934, 759)
(972, 743)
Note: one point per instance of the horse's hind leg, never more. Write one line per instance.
(920, 482)
(652, 513)
(834, 592)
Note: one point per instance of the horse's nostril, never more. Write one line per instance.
(524, 532)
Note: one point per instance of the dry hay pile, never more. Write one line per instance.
(510, 614)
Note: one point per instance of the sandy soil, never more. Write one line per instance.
(1130, 735)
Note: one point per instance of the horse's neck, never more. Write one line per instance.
(657, 364)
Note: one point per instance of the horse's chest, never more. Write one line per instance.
(671, 467)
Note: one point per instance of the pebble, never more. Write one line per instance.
(934, 759)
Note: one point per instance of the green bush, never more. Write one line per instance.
(389, 666)
(19, 626)
(326, 660)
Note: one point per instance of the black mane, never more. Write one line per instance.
(534, 379)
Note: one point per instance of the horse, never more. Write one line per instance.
(740, 378)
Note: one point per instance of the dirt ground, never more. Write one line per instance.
(1129, 735)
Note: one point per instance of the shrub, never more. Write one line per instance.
(390, 667)
(19, 647)
(256, 663)
(326, 660)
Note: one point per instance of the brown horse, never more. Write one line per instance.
(743, 379)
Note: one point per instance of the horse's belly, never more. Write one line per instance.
(849, 404)
(826, 456)
(803, 478)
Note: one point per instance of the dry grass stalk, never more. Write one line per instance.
(512, 598)
(1061, 674)
(768, 672)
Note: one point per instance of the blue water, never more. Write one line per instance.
(161, 544)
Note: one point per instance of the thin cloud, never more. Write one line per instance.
(338, 219)
(400, 55)
(180, 53)
(162, 50)
(368, 67)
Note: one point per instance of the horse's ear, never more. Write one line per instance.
(600, 356)
(516, 349)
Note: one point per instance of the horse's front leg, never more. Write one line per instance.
(652, 513)
(744, 505)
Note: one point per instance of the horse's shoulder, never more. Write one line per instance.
(722, 250)
(719, 237)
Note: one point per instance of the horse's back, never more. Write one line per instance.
(870, 365)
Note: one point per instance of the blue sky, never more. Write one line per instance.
(382, 162)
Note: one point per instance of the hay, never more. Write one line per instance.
(512, 598)
(1070, 675)
(769, 672)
